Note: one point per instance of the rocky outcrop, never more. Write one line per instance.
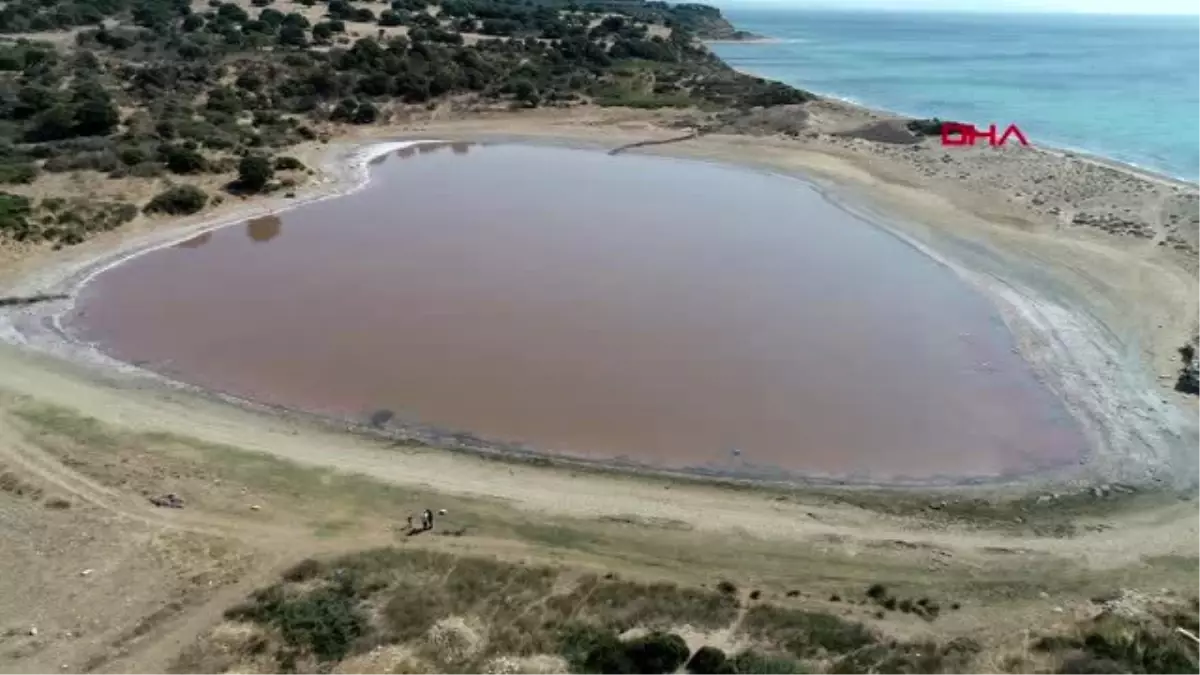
(707, 23)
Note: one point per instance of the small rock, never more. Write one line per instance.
(85, 573)
(255, 507)
(33, 630)
(1044, 595)
(1058, 610)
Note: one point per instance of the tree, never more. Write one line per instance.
(254, 172)
(366, 113)
(178, 200)
(54, 124)
(95, 113)
(526, 92)
(293, 35)
(709, 661)
(182, 159)
(390, 17)
(657, 652)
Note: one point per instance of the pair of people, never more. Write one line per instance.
(426, 520)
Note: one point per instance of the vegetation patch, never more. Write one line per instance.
(178, 200)
(1144, 642)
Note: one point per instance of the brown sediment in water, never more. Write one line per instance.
(664, 311)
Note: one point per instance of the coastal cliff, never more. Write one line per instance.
(707, 23)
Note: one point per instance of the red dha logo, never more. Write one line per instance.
(954, 133)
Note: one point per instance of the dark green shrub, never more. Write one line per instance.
(286, 163)
(591, 649)
(146, 170)
(390, 17)
(709, 661)
(182, 159)
(926, 127)
(1081, 663)
(14, 216)
(325, 621)
(178, 200)
(657, 652)
(254, 172)
(18, 173)
(303, 571)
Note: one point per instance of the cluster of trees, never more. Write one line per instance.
(156, 87)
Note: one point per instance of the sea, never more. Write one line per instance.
(1124, 88)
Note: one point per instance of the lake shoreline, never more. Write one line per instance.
(346, 171)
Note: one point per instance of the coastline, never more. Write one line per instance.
(1048, 332)
(1149, 173)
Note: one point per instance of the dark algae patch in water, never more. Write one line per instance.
(671, 313)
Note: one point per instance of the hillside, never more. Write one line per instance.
(166, 88)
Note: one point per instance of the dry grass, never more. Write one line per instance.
(452, 613)
(475, 602)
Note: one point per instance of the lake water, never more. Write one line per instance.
(673, 313)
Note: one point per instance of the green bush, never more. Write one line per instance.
(926, 127)
(592, 649)
(286, 163)
(13, 174)
(325, 621)
(254, 172)
(657, 652)
(710, 661)
(182, 159)
(303, 571)
(14, 216)
(178, 200)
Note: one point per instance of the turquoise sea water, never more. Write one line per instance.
(1124, 88)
